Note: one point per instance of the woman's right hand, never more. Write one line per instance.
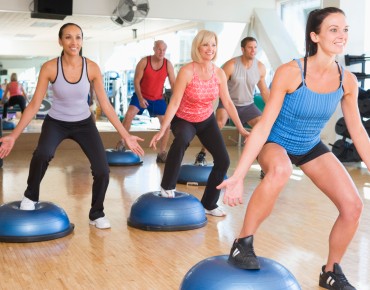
(233, 191)
(7, 143)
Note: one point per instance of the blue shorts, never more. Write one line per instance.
(155, 108)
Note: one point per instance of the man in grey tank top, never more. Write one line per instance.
(243, 73)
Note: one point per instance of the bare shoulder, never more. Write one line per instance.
(186, 71)
(50, 63)
(93, 69)
(49, 69)
(350, 82)
(289, 76)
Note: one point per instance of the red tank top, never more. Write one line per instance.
(152, 82)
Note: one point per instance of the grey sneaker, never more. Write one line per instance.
(334, 280)
(120, 146)
(242, 254)
(162, 157)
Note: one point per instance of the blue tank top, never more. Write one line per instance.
(302, 117)
(69, 101)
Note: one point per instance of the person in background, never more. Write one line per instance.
(304, 95)
(17, 95)
(150, 75)
(190, 113)
(243, 74)
(70, 76)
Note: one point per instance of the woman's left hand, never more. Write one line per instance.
(132, 143)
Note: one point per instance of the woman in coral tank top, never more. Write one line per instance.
(190, 113)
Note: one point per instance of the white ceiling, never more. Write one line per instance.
(16, 26)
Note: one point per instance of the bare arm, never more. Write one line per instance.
(171, 74)
(228, 68)
(352, 117)
(24, 93)
(96, 79)
(264, 90)
(139, 72)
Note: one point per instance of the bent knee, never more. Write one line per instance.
(352, 211)
(279, 173)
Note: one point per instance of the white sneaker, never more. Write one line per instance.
(101, 223)
(170, 193)
(27, 204)
(215, 212)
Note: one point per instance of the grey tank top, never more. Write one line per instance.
(242, 82)
(69, 101)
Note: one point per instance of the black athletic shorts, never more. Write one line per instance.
(315, 152)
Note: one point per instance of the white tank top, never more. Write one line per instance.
(242, 82)
(70, 102)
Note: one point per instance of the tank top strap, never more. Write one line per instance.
(302, 71)
(341, 73)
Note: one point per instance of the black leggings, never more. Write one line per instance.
(86, 134)
(14, 100)
(210, 136)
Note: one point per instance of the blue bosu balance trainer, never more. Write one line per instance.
(191, 174)
(8, 125)
(153, 212)
(217, 274)
(46, 222)
(122, 158)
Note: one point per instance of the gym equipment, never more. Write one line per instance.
(341, 128)
(217, 274)
(364, 107)
(46, 222)
(152, 212)
(122, 158)
(191, 174)
(8, 125)
(44, 109)
(345, 151)
(358, 59)
(353, 154)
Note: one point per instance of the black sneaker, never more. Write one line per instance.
(242, 254)
(334, 280)
(200, 160)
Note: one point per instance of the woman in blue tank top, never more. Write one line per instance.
(70, 118)
(304, 95)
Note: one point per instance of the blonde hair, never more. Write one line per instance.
(202, 37)
(13, 77)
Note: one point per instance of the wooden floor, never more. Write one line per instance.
(123, 257)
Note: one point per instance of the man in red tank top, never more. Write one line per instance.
(150, 74)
